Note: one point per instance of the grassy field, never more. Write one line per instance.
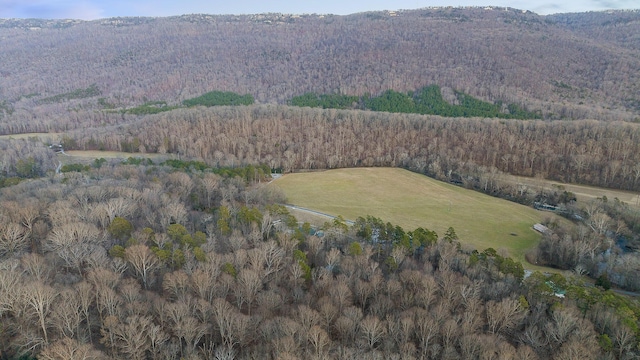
(43, 137)
(412, 200)
(582, 192)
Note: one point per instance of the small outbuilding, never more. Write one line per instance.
(541, 229)
(56, 148)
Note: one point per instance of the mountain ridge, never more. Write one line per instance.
(579, 65)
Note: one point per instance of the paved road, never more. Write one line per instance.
(313, 212)
(308, 211)
(626, 293)
(59, 166)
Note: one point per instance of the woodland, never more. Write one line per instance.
(147, 261)
(193, 256)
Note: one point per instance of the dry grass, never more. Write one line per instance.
(96, 154)
(43, 137)
(412, 200)
(88, 156)
(583, 193)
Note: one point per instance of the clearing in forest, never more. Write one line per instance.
(583, 193)
(95, 154)
(412, 200)
(43, 137)
(86, 156)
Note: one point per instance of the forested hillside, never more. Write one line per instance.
(565, 67)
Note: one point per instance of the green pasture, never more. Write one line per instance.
(412, 200)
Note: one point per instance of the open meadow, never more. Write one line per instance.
(412, 200)
(42, 137)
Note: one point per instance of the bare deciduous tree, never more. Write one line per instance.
(426, 330)
(9, 286)
(372, 330)
(623, 340)
(191, 331)
(108, 303)
(319, 340)
(13, 239)
(171, 212)
(70, 349)
(332, 258)
(273, 257)
(269, 302)
(86, 298)
(341, 294)
(249, 283)
(525, 352)
(129, 337)
(143, 262)
(38, 299)
(470, 346)
(157, 337)
(176, 284)
(503, 315)
(66, 314)
(203, 283)
(68, 234)
(449, 332)
(103, 278)
(119, 206)
(563, 324)
(230, 325)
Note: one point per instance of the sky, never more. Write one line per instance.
(96, 9)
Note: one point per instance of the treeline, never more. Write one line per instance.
(218, 98)
(326, 101)
(151, 107)
(146, 262)
(248, 172)
(212, 98)
(588, 152)
(426, 101)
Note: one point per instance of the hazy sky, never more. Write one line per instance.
(94, 9)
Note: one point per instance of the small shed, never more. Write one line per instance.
(541, 229)
(56, 148)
